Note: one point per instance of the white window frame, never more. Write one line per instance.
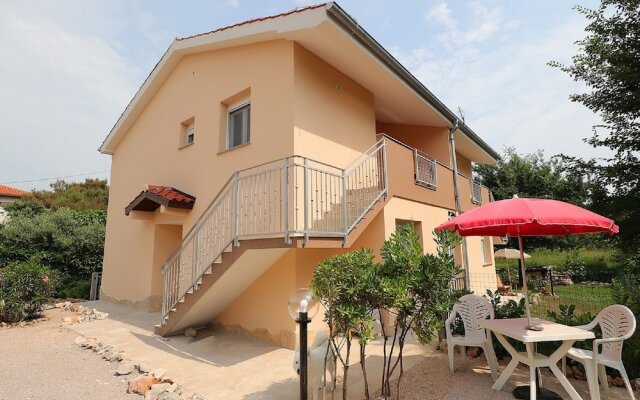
(246, 134)
(190, 134)
(485, 259)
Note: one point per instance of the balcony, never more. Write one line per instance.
(414, 175)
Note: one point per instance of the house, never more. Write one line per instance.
(255, 151)
(8, 194)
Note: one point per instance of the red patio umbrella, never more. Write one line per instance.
(520, 217)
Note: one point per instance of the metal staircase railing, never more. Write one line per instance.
(293, 196)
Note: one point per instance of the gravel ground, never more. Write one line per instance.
(39, 361)
(473, 381)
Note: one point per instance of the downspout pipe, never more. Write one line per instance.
(458, 204)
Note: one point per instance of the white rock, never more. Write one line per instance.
(80, 340)
(190, 332)
(125, 369)
(116, 356)
(168, 396)
(101, 315)
(158, 373)
(144, 368)
(172, 388)
(155, 390)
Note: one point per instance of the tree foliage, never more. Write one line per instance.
(533, 175)
(69, 241)
(346, 286)
(608, 63)
(92, 194)
(24, 289)
(412, 287)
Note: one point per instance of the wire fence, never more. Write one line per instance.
(587, 297)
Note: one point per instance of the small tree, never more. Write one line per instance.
(421, 292)
(345, 285)
(411, 286)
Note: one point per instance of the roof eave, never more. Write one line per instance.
(344, 20)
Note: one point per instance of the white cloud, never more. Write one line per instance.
(233, 3)
(63, 90)
(441, 13)
(484, 24)
(509, 94)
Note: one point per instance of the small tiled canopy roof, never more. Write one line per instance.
(156, 196)
(11, 192)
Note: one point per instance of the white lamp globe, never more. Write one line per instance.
(300, 301)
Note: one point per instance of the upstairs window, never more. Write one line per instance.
(187, 133)
(239, 125)
(191, 133)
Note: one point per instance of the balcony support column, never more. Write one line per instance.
(456, 194)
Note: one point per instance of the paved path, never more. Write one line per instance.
(41, 362)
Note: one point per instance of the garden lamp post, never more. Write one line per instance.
(302, 308)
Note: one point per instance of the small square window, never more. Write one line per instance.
(187, 133)
(239, 125)
(191, 133)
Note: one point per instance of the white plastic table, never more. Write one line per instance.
(515, 328)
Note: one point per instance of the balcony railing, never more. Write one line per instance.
(294, 196)
(425, 169)
(476, 193)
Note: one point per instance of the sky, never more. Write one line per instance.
(70, 67)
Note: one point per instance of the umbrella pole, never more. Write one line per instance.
(524, 392)
(525, 289)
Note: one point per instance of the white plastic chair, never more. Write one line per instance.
(617, 324)
(472, 308)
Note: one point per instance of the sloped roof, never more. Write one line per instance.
(155, 196)
(250, 21)
(11, 192)
(332, 34)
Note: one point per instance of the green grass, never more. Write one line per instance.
(586, 298)
(600, 258)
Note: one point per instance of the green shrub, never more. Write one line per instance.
(24, 289)
(68, 241)
(502, 310)
(535, 284)
(626, 291)
(74, 290)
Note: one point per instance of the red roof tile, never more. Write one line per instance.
(12, 192)
(155, 196)
(294, 11)
(171, 194)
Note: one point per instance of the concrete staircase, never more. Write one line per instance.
(199, 281)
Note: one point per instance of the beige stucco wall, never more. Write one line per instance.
(432, 140)
(148, 154)
(166, 239)
(334, 117)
